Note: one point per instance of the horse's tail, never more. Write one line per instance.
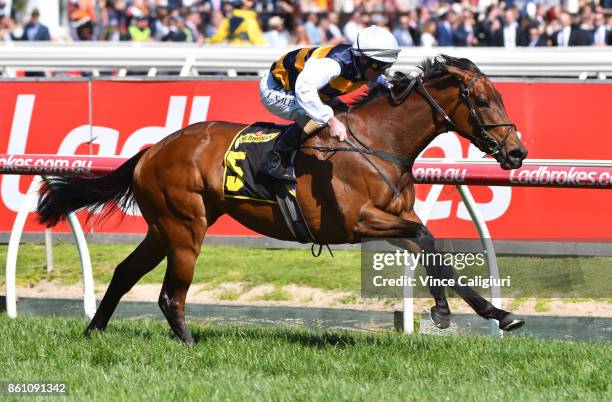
(61, 195)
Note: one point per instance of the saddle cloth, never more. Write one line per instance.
(241, 177)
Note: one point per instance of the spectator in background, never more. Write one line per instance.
(428, 36)
(311, 25)
(468, 25)
(353, 26)
(458, 30)
(7, 26)
(277, 34)
(82, 8)
(161, 24)
(114, 33)
(82, 27)
(406, 32)
(380, 21)
(174, 4)
(570, 35)
(333, 33)
(139, 29)
(536, 37)
(587, 18)
(34, 30)
(116, 10)
(216, 18)
(241, 28)
(177, 31)
(193, 23)
(600, 31)
(301, 36)
(327, 37)
(444, 30)
(506, 34)
(486, 25)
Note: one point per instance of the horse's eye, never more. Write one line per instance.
(480, 102)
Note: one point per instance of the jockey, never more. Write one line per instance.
(298, 85)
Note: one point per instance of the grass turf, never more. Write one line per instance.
(139, 360)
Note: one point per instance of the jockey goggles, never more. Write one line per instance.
(378, 65)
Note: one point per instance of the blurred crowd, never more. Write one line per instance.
(426, 23)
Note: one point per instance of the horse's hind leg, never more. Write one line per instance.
(142, 260)
(182, 257)
(185, 232)
(181, 265)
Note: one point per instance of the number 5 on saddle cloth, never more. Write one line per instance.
(243, 180)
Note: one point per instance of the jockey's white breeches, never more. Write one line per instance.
(279, 101)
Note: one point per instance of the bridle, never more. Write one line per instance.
(483, 139)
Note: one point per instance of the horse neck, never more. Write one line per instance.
(408, 128)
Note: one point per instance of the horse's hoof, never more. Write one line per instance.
(510, 323)
(440, 317)
(90, 330)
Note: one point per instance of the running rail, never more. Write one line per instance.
(559, 173)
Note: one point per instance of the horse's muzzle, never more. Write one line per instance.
(513, 159)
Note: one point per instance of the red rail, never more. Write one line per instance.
(549, 173)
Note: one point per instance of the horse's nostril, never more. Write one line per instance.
(517, 153)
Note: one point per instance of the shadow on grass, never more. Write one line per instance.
(305, 337)
(203, 333)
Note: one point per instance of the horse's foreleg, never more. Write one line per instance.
(376, 223)
(147, 255)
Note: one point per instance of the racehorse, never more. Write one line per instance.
(346, 193)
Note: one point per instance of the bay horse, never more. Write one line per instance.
(178, 185)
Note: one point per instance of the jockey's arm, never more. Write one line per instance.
(316, 74)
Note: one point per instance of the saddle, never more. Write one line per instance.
(243, 180)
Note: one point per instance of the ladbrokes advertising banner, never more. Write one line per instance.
(555, 120)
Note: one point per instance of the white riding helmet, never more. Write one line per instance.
(376, 43)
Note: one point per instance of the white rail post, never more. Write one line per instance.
(89, 298)
(487, 244)
(424, 214)
(13, 246)
(49, 250)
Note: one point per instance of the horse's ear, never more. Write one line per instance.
(458, 72)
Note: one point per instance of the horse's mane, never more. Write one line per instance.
(434, 67)
(431, 68)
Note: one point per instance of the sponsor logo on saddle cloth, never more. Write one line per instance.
(241, 177)
(258, 136)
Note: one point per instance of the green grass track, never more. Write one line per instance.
(137, 360)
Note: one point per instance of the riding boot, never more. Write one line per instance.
(278, 160)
